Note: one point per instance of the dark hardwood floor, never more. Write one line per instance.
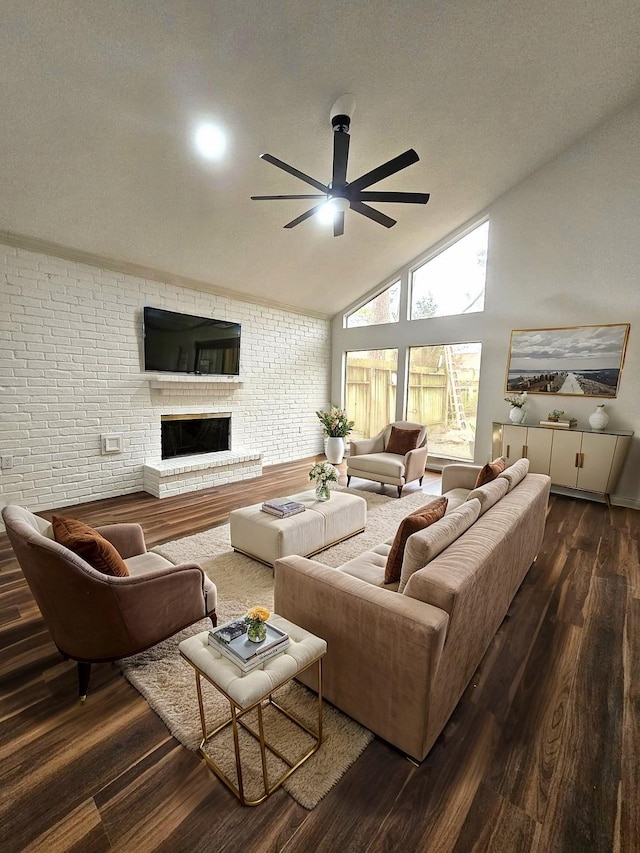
(542, 753)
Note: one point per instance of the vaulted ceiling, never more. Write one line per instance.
(99, 102)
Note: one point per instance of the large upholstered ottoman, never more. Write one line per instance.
(323, 523)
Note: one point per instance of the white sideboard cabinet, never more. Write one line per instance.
(574, 458)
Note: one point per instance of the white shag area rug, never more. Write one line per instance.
(168, 683)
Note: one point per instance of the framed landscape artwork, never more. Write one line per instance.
(578, 361)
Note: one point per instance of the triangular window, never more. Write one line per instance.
(453, 281)
(383, 308)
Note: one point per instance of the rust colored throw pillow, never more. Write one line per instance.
(490, 471)
(90, 545)
(402, 440)
(418, 520)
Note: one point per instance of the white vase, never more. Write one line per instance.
(599, 419)
(335, 450)
(516, 415)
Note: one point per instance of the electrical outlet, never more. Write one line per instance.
(6, 461)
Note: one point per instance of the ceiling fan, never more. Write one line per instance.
(341, 194)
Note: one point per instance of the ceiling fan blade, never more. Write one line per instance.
(370, 213)
(338, 224)
(295, 172)
(389, 168)
(403, 198)
(340, 156)
(274, 197)
(304, 216)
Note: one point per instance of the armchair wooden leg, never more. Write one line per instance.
(420, 480)
(84, 674)
(348, 479)
(399, 491)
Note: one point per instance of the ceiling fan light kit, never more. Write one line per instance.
(341, 194)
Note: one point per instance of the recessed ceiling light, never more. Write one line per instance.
(210, 141)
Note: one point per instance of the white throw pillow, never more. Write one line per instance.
(490, 493)
(426, 544)
(516, 472)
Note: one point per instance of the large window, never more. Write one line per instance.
(443, 394)
(453, 281)
(381, 309)
(371, 380)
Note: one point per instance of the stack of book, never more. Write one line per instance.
(282, 507)
(561, 423)
(232, 642)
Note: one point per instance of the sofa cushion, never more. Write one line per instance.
(424, 545)
(402, 440)
(383, 464)
(456, 498)
(490, 471)
(370, 565)
(418, 520)
(89, 544)
(490, 493)
(516, 472)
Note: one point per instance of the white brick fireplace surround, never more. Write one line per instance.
(79, 417)
(176, 475)
(188, 473)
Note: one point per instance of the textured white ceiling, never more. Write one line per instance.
(99, 99)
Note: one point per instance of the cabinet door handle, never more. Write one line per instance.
(525, 450)
(508, 450)
(582, 460)
(577, 462)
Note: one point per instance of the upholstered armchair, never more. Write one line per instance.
(93, 616)
(397, 455)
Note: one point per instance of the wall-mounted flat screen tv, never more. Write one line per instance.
(181, 343)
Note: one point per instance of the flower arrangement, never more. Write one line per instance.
(323, 473)
(255, 622)
(335, 423)
(517, 400)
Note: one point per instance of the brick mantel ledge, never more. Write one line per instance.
(188, 473)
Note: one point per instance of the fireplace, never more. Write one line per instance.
(187, 435)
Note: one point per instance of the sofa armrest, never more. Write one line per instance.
(383, 648)
(127, 539)
(459, 476)
(360, 446)
(414, 462)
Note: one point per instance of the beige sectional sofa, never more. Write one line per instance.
(398, 662)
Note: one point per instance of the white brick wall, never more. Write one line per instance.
(71, 371)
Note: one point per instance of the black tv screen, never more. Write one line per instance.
(181, 343)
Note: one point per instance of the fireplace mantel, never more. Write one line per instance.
(164, 382)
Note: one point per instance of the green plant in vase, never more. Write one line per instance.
(556, 414)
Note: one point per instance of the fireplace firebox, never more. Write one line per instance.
(187, 435)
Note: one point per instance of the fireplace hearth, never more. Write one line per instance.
(188, 435)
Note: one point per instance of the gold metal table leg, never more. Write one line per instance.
(236, 720)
